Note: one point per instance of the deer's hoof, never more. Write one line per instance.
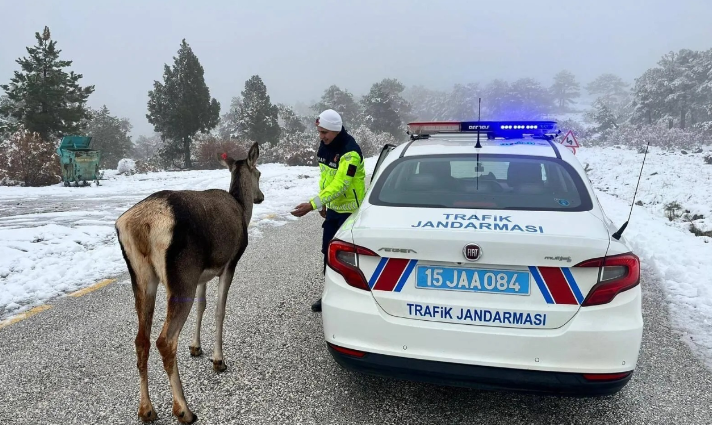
(219, 366)
(184, 416)
(196, 351)
(148, 415)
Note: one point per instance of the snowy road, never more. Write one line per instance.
(75, 363)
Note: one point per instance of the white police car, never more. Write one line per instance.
(488, 264)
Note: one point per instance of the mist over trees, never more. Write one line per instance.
(672, 100)
(670, 103)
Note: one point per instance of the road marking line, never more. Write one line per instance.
(25, 315)
(92, 288)
(41, 308)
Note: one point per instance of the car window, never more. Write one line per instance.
(484, 182)
(384, 153)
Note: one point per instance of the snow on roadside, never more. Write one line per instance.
(55, 240)
(682, 260)
(667, 177)
(49, 253)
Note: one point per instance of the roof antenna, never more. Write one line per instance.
(479, 114)
(478, 145)
(618, 234)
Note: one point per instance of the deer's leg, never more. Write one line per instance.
(144, 287)
(180, 301)
(223, 287)
(195, 349)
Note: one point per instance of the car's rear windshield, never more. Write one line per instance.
(488, 182)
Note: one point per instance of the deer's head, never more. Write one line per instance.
(245, 181)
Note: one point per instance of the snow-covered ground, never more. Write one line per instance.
(682, 260)
(55, 240)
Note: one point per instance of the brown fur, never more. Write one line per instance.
(183, 239)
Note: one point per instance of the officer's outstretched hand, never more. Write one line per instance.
(302, 209)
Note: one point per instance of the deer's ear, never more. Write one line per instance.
(253, 155)
(226, 160)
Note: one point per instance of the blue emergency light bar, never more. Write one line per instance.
(491, 129)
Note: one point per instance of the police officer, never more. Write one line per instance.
(342, 184)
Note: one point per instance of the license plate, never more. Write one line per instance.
(473, 280)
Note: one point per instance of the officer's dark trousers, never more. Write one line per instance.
(331, 225)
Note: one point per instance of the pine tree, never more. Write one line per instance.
(181, 106)
(701, 106)
(385, 109)
(602, 115)
(565, 89)
(649, 94)
(257, 118)
(702, 109)
(110, 135)
(43, 97)
(380, 113)
(8, 124)
(677, 92)
(342, 101)
(394, 89)
(679, 75)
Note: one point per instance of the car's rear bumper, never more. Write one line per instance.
(480, 377)
(598, 340)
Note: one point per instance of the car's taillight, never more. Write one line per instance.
(343, 259)
(620, 273)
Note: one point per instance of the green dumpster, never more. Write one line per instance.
(79, 162)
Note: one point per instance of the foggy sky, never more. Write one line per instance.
(299, 48)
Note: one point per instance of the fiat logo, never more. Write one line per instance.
(472, 252)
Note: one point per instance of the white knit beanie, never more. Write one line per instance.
(330, 120)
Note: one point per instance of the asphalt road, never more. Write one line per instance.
(75, 363)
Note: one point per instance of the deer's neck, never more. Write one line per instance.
(247, 207)
(243, 195)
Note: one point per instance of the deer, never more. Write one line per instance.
(183, 239)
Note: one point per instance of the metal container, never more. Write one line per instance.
(79, 162)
